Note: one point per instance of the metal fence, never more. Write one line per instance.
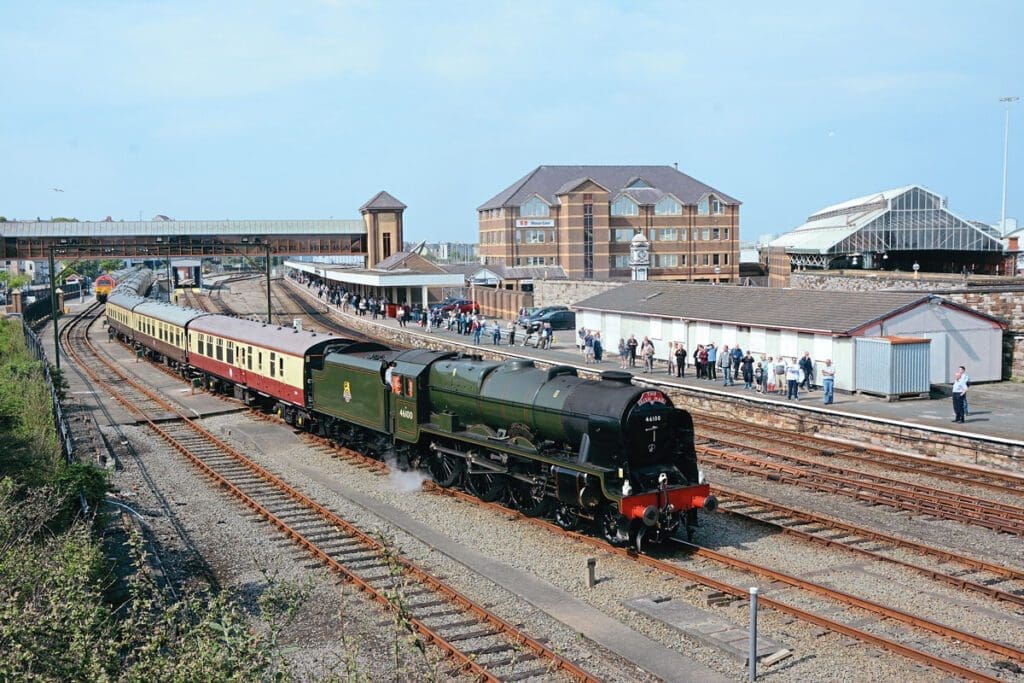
(35, 347)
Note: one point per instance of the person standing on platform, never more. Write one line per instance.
(807, 365)
(496, 333)
(598, 347)
(680, 360)
(623, 353)
(712, 372)
(959, 393)
(828, 380)
(725, 364)
(793, 373)
(511, 333)
(631, 347)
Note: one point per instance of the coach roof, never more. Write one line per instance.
(283, 339)
(813, 311)
(169, 313)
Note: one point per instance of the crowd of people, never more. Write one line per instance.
(765, 375)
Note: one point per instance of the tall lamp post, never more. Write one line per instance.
(1006, 146)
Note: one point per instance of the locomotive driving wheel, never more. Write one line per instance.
(567, 517)
(530, 499)
(613, 526)
(446, 469)
(487, 486)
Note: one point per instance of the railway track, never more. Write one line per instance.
(1005, 483)
(866, 487)
(972, 575)
(914, 624)
(480, 643)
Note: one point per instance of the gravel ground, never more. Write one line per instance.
(206, 538)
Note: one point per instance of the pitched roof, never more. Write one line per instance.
(820, 311)
(466, 269)
(382, 201)
(548, 181)
(406, 261)
(507, 272)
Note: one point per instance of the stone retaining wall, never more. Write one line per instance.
(881, 433)
(568, 292)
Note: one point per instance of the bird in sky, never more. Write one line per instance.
(57, 189)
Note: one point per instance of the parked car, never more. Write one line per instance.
(456, 304)
(560, 320)
(536, 313)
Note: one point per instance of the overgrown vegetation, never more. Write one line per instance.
(55, 623)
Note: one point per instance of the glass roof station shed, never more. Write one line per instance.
(894, 230)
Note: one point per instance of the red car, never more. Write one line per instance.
(459, 305)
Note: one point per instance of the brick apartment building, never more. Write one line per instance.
(584, 217)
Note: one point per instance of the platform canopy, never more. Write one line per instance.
(905, 219)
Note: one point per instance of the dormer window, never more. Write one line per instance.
(624, 206)
(534, 207)
(668, 206)
(638, 183)
(717, 207)
(703, 207)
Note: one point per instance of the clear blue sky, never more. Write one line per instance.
(299, 109)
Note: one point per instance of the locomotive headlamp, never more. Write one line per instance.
(663, 478)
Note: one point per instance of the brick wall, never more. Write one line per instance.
(501, 303)
(1001, 297)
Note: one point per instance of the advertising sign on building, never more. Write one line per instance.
(535, 223)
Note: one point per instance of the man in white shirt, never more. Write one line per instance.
(793, 377)
(959, 392)
(828, 379)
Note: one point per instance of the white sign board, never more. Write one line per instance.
(535, 223)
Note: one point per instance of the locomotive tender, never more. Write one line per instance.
(598, 452)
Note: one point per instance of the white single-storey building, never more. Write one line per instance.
(789, 322)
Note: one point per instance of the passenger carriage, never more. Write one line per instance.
(162, 328)
(256, 362)
(121, 316)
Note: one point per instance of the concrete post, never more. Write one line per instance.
(752, 647)
(591, 566)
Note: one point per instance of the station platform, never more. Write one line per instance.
(996, 410)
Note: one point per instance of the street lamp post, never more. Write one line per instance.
(1006, 146)
(917, 268)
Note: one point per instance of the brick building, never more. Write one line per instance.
(584, 217)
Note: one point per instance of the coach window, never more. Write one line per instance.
(220, 349)
(231, 353)
(280, 366)
(410, 386)
(199, 343)
(248, 357)
(209, 346)
(273, 364)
